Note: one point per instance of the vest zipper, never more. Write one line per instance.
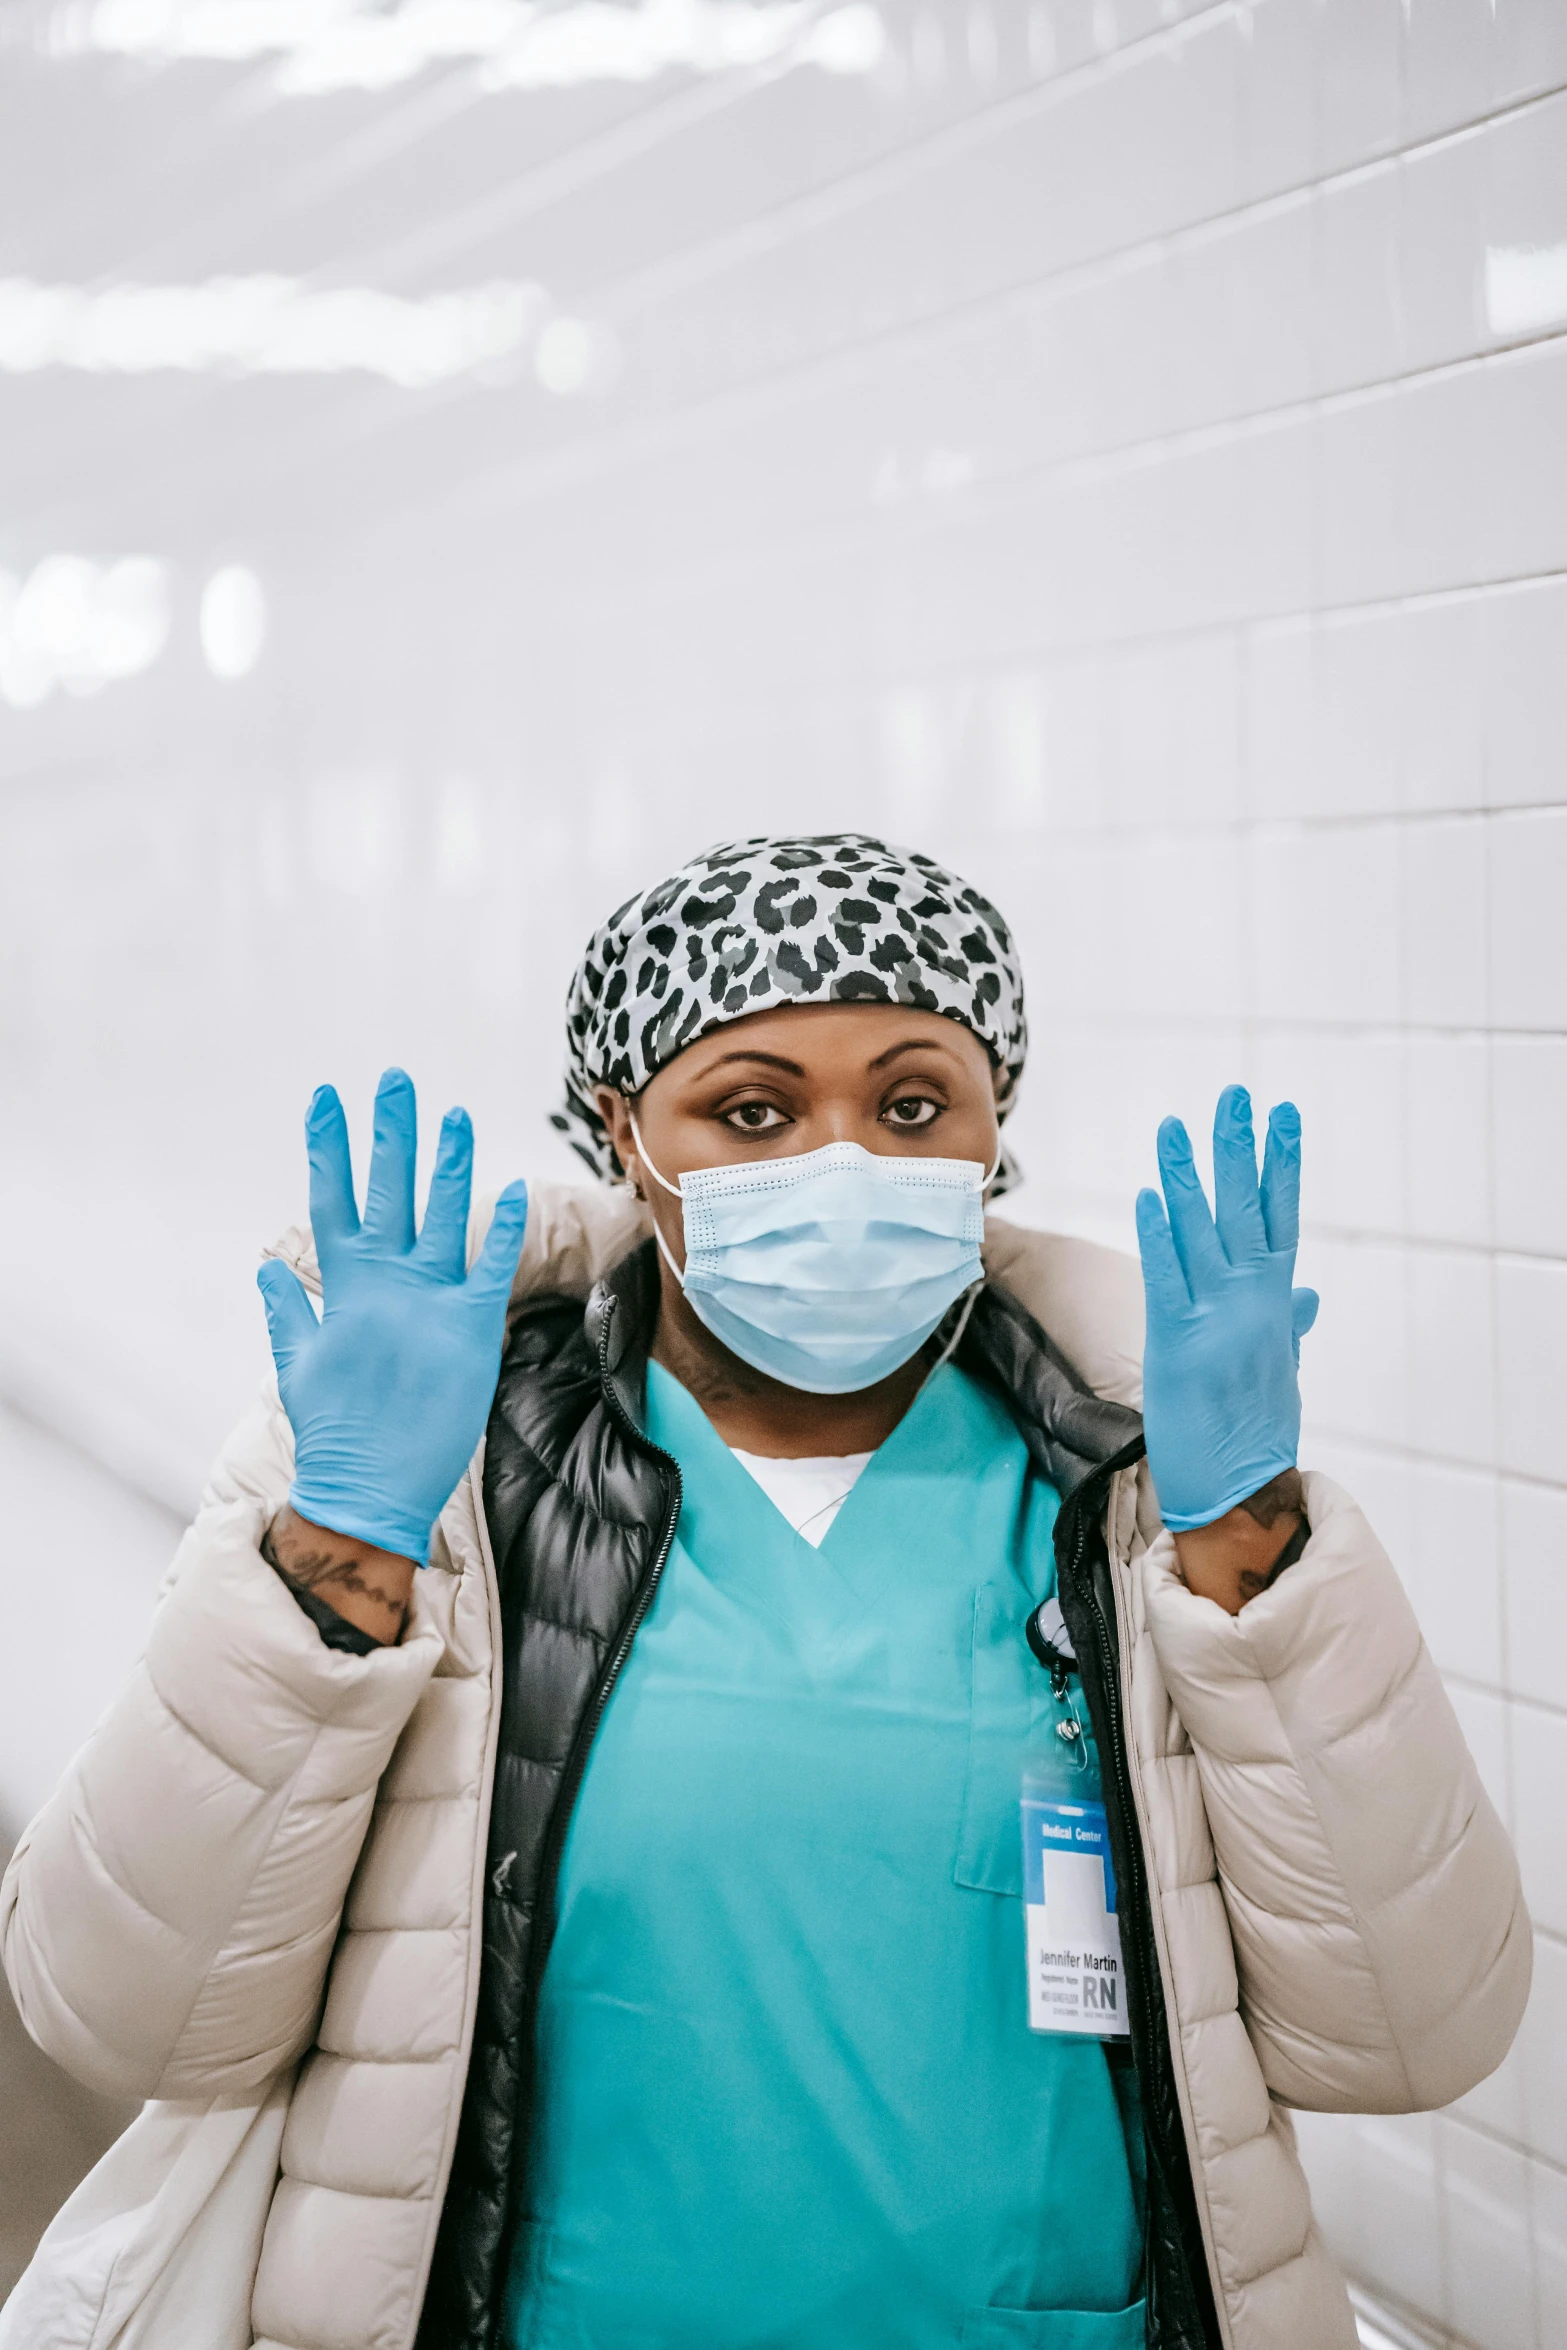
(641, 1601)
(1109, 1655)
(1110, 1665)
(1172, 2159)
(577, 1762)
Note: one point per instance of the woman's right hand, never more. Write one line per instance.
(389, 1393)
(1221, 1396)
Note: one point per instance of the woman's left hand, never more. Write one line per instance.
(1221, 1397)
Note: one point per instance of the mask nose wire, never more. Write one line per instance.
(675, 1192)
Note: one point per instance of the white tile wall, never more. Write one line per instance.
(1485, 2223)
(1525, 723)
(1541, 2058)
(1100, 444)
(1548, 2226)
(1453, 1571)
(1378, 2189)
(1534, 1551)
(1447, 1137)
(1531, 1318)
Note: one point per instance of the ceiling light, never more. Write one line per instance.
(267, 326)
(322, 45)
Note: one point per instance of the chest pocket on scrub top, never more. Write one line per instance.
(1009, 1702)
(1056, 2329)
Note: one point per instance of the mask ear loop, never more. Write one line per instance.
(642, 1153)
(672, 1188)
(971, 1294)
(970, 1297)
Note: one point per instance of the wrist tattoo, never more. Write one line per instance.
(313, 1575)
(1283, 1496)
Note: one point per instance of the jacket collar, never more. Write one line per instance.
(622, 1312)
(1071, 1432)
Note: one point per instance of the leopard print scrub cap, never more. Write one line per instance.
(837, 918)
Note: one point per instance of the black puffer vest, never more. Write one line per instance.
(581, 1513)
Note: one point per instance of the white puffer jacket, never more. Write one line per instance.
(255, 1898)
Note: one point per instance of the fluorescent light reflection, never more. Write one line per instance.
(233, 621)
(79, 624)
(323, 45)
(268, 326)
(1525, 288)
(576, 355)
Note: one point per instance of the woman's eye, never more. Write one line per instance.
(754, 1117)
(914, 1109)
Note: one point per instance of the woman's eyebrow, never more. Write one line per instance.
(912, 1044)
(769, 1060)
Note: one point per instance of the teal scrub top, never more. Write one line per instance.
(786, 2091)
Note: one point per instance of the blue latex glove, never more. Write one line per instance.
(1221, 1399)
(389, 1393)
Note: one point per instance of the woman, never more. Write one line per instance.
(614, 1934)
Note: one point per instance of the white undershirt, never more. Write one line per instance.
(809, 1493)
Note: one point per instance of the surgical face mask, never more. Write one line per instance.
(828, 1270)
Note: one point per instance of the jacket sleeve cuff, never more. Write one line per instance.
(1373, 1897)
(1308, 1660)
(335, 1630)
(233, 1656)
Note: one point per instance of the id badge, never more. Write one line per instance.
(1075, 1978)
